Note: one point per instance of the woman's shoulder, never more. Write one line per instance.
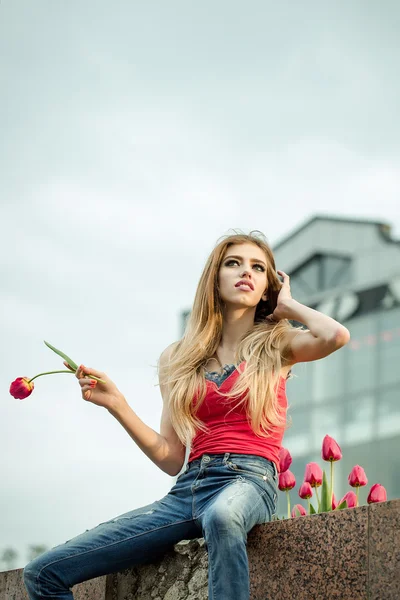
(167, 353)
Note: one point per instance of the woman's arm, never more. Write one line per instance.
(324, 335)
(164, 448)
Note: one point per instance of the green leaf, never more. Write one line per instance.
(312, 510)
(64, 356)
(325, 495)
(342, 505)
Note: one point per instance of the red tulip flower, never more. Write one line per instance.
(21, 388)
(285, 460)
(305, 491)
(357, 477)
(331, 452)
(298, 511)
(350, 498)
(330, 449)
(287, 481)
(334, 503)
(313, 474)
(377, 493)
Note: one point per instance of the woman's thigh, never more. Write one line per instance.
(132, 538)
(247, 497)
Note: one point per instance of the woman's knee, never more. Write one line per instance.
(31, 573)
(224, 518)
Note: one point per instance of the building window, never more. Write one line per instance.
(362, 354)
(320, 272)
(389, 347)
(388, 412)
(326, 419)
(358, 418)
(329, 376)
(297, 437)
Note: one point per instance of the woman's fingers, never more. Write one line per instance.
(90, 371)
(87, 386)
(87, 381)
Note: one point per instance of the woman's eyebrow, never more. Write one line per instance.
(241, 258)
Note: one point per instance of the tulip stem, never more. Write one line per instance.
(288, 504)
(50, 373)
(357, 492)
(331, 483)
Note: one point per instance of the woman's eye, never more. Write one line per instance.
(236, 261)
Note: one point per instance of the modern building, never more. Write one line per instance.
(350, 270)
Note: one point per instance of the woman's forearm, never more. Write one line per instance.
(153, 444)
(320, 325)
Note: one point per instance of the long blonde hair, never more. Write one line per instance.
(183, 373)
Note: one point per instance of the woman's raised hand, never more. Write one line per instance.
(105, 394)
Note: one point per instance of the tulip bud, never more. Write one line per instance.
(21, 388)
(357, 477)
(313, 474)
(305, 491)
(334, 503)
(377, 493)
(298, 511)
(350, 498)
(287, 481)
(285, 460)
(330, 449)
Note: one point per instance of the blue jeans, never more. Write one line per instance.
(219, 497)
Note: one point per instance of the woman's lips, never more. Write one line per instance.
(244, 287)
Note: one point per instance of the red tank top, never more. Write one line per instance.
(232, 432)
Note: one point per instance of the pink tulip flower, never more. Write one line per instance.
(350, 498)
(377, 493)
(285, 460)
(334, 503)
(357, 477)
(330, 449)
(287, 481)
(305, 491)
(298, 511)
(313, 474)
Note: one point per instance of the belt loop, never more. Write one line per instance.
(226, 456)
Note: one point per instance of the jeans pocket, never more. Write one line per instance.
(251, 469)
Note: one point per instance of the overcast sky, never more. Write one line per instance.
(133, 135)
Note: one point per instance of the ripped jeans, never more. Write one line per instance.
(219, 497)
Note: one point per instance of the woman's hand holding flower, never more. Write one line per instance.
(102, 394)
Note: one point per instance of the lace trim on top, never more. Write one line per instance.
(220, 377)
(226, 371)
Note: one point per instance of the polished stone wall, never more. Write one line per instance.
(353, 554)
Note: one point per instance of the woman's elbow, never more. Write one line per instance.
(342, 337)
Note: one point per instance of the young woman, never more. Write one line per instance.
(223, 389)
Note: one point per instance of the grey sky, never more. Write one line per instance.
(133, 136)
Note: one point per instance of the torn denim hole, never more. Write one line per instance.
(147, 512)
(237, 492)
